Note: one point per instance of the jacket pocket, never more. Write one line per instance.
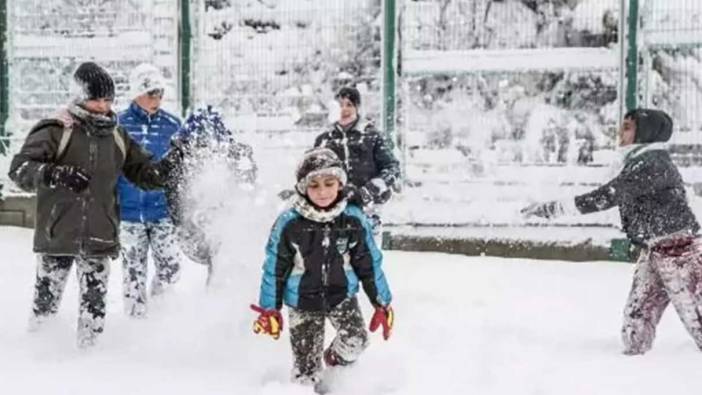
(112, 220)
(58, 212)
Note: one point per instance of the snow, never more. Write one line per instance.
(673, 16)
(464, 325)
(134, 46)
(502, 60)
(588, 14)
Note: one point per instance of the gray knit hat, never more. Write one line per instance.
(319, 162)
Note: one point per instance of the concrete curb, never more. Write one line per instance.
(576, 252)
(18, 211)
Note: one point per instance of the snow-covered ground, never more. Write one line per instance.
(464, 325)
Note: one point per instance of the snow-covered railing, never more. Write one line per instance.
(508, 60)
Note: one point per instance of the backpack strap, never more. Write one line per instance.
(66, 138)
(119, 140)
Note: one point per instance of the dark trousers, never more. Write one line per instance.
(307, 338)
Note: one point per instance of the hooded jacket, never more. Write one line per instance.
(649, 190)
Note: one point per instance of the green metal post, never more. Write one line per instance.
(632, 58)
(4, 77)
(184, 58)
(389, 59)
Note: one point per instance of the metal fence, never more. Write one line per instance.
(670, 42)
(532, 81)
(276, 65)
(47, 39)
(513, 81)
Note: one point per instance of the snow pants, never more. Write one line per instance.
(136, 239)
(663, 276)
(52, 274)
(307, 338)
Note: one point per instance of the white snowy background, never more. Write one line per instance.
(463, 325)
(476, 147)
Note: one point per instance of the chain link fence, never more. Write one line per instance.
(501, 99)
(49, 38)
(671, 55)
(275, 65)
(483, 83)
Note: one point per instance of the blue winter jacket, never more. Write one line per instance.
(153, 132)
(314, 266)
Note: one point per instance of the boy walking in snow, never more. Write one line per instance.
(145, 220)
(656, 216)
(318, 252)
(72, 162)
(371, 166)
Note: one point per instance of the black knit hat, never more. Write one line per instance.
(350, 93)
(317, 162)
(93, 82)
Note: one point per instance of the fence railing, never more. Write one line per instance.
(479, 82)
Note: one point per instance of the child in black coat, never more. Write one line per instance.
(655, 215)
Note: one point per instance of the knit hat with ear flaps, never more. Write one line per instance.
(93, 82)
(319, 162)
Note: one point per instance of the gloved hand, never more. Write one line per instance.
(358, 196)
(383, 316)
(269, 322)
(378, 189)
(68, 176)
(286, 194)
(170, 161)
(546, 210)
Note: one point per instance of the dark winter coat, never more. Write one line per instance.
(153, 132)
(314, 266)
(365, 154)
(649, 190)
(85, 224)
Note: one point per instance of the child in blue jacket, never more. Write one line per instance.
(318, 253)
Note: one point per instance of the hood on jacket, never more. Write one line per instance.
(652, 126)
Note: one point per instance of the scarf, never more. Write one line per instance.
(96, 124)
(303, 206)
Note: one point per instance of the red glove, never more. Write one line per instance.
(269, 322)
(383, 316)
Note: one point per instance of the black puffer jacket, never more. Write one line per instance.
(649, 190)
(365, 154)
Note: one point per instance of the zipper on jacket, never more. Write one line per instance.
(92, 162)
(345, 143)
(326, 241)
(144, 141)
